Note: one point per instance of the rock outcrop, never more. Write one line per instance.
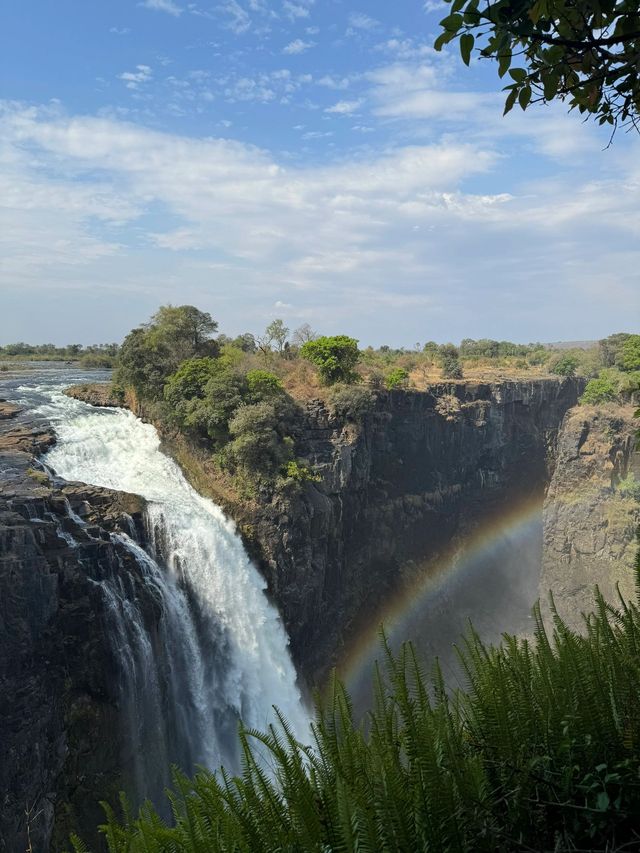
(592, 511)
(59, 729)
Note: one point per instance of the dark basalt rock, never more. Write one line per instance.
(590, 523)
(59, 727)
(419, 472)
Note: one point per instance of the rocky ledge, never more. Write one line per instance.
(58, 703)
(99, 394)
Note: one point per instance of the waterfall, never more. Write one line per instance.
(218, 652)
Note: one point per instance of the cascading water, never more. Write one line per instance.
(217, 651)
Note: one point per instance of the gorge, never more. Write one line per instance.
(132, 572)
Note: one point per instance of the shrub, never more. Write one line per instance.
(564, 365)
(603, 389)
(451, 367)
(262, 384)
(258, 444)
(189, 381)
(540, 753)
(396, 378)
(630, 487)
(351, 403)
(301, 473)
(629, 356)
(335, 357)
(95, 360)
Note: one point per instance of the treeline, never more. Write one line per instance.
(541, 751)
(94, 355)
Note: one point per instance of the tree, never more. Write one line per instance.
(276, 332)
(610, 347)
(143, 364)
(396, 378)
(335, 357)
(303, 334)
(184, 330)
(629, 357)
(189, 381)
(565, 365)
(262, 385)
(582, 52)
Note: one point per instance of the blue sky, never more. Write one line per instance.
(313, 160)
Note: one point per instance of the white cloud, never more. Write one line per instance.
(239, 20)
(134, 79)
(332, 82)
(120, 31)
(382, 241)
(163, 6)
(360, 21)
(294, 11)
(344, 107)
(297, 46)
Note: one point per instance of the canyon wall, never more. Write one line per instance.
(417, 474)
(592, 511)
(60, 731)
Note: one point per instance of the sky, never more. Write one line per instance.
(314, 160)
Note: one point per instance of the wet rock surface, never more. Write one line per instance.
(590, 515)
(99, 394)
(58, 708)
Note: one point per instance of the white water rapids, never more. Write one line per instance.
(220, 652)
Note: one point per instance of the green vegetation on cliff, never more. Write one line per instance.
(540, 752)
(619, 379)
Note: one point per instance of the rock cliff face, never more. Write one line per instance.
(420, 471)
(61, 747)
(592, 510)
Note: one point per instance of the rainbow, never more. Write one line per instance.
(457, 562)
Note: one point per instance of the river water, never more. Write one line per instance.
(220, 652)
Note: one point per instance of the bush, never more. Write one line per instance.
(189, 381)
(335, 358)
(301, 473)
(629, 356)
(564, 365)
(396, 378)
(95, 360)
(451, 367)
(262, 384)
(350, 403)
(629, 487)
(540, 753)
(257, 444)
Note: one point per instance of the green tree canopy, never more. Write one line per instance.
(583, 52)
(335, 357)
(629, 357)
(565, 365)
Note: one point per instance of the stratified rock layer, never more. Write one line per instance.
(590, 519)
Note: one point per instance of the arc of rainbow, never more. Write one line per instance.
(395, 614)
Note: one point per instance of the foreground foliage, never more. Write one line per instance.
(582, 52)
(542, 752)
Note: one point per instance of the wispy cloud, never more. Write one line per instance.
(120, 31)
(297, 46)
(344, 107)
(134, 79)
(167, 6)
(238, 19)
(294, 11)
(360, 21)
